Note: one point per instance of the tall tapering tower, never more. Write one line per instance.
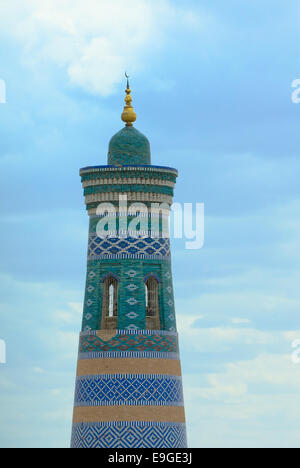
(128, 387)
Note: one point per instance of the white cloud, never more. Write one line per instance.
(292, 335)
(240, 321)
(71, 316)
(216, 390)
(216, 338)
(96, 40)
(258, 394)
(275, 373)
(38, 370)
(67, 344)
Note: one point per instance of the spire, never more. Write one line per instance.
(128, 116)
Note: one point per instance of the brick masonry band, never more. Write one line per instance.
(128, 366)
(129, 413)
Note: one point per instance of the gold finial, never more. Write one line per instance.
(128, 116)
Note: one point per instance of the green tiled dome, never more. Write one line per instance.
(129, 146)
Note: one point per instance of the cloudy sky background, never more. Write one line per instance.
(212, 89)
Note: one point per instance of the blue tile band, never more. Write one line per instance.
(129, 390)
(127, 247)
(129, 435)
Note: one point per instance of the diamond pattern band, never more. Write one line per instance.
(129, 389)
(129, 435)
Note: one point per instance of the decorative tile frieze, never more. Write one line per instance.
(132, 169)
(129, 247)
(128, 354)
(92, 201)
(129, 434)
(126, 340)
(128, 389)
(126, 188)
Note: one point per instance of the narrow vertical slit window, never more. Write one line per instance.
(152, 304)
(111, 300)
(146, 294)
(110, 304)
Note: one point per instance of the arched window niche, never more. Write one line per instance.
(110, 303)
(152, 303)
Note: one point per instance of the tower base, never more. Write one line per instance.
(128, 391)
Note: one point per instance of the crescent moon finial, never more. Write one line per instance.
(128, 116)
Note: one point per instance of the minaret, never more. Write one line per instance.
(128, 387)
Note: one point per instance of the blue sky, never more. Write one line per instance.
(212, 89)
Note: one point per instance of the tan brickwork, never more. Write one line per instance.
(88, 414)
(128, 366)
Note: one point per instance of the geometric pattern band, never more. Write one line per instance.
(129, 247)
(128, 354)
(129, 389)
(129, 435)
(140, 342)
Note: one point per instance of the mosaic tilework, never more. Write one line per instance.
(126, 342)
(168, 300)
(123, 188)
(132, 275)
(129, 146)
(92, 300)
(132, 298)
(129, 390)
(120, 226)
(92, 201)
(127, 248)
(129, 435)
(127, 185)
